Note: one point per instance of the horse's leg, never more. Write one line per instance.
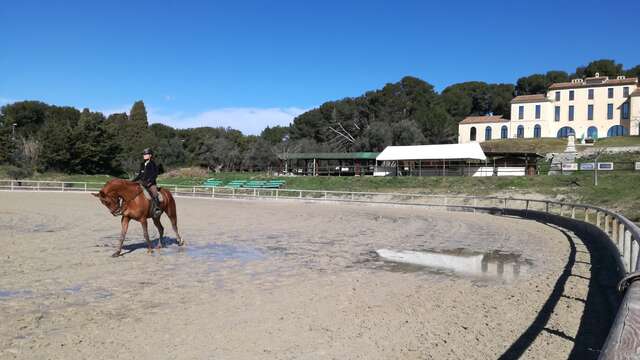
(158, 225)
(174, 225)
(145, 232)
(123, 233)
(173, 216)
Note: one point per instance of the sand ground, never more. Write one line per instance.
(275, 280)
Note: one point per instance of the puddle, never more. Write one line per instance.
(9, 294)
(222, 252)
(73, 289)
(496, 264)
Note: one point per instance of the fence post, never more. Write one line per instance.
(254, 192)
(475, 204)
(193, 193)
(85, 186)
(233, 193)
(213, 191)
(546, 209)
(598, 215)
(627, 250)
(38, 186)
(352, 196)
(634, 254)
(11, 185)
(300, 195)
(276, 193)
(62, 187)
(573, 212)
(620, 241)
(325, 195)
(614, 229)
(561, 209)
(586, 214)
(175, 189)
(607, 218)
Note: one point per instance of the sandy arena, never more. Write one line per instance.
(283, 280)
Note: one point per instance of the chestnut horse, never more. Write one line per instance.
(125, 198)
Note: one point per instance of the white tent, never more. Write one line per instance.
(469, 151)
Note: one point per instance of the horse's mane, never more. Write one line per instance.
(120, 187)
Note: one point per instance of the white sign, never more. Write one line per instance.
(637, 165)
(570, 167)
(587, 166)
(605, 166)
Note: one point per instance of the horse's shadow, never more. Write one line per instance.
(166, 241)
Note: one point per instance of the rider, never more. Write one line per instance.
(147, 177)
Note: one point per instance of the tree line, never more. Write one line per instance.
(35, 136)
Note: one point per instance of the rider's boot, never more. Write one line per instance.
(156, 210)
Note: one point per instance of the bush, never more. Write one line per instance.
(17, 173)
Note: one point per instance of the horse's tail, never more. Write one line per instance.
(170, 209)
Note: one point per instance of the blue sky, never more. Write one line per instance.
(248, 64)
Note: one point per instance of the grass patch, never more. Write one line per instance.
(540, 146)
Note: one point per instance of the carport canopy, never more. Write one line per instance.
(470, 151)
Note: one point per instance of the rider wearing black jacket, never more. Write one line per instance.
(147, 177)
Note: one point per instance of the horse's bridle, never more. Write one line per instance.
(120, 209)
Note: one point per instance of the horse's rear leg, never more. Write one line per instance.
(174, 225)
(173, 216)
(145, 232)
(158, 225)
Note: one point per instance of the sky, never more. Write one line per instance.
(252, 64)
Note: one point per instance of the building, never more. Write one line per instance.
(589, 108)
(329, 164)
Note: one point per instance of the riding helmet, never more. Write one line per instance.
(147, 151)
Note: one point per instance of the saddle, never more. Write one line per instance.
(147, 195)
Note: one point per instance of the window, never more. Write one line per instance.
(592, 132)
(520, 131)
(565, 132)
(571, 112)
(557, 115)
(589, 112)
(625, 111)
(609, 111)
(521, 112)
(610, 93)
(504, 132)
(487, 133)
(625, 91)
(571, 95)
(557, 95)
(537, 131)
(590, 94)
(537, 111)
(472, 134)
(617, 130)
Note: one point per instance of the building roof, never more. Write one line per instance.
(635, 92)
(469, 151)
(484, 119)
(529, 98)
(593, 82)
(330, 156)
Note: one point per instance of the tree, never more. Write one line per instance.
(93, 146)
(133, 137)
(605, 67)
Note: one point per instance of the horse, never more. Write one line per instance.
(125, 198)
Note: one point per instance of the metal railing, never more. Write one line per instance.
(623, 340)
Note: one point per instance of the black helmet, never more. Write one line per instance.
(147, 151)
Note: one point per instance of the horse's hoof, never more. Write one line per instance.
(149, 251)
(115, 254)
(181, 243)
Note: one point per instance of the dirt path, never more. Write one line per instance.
(277, 280)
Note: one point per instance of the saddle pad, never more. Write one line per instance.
(148, 196)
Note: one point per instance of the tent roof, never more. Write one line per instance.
(330, 156)
(470, 151)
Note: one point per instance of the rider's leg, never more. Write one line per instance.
(153, 189)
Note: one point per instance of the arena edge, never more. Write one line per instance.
(590, 108)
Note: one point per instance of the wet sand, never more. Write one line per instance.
(278, 280)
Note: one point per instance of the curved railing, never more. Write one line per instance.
(623, 340)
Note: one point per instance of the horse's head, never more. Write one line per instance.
(112, 201)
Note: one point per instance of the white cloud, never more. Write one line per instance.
(169, 98)
(250, 121)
